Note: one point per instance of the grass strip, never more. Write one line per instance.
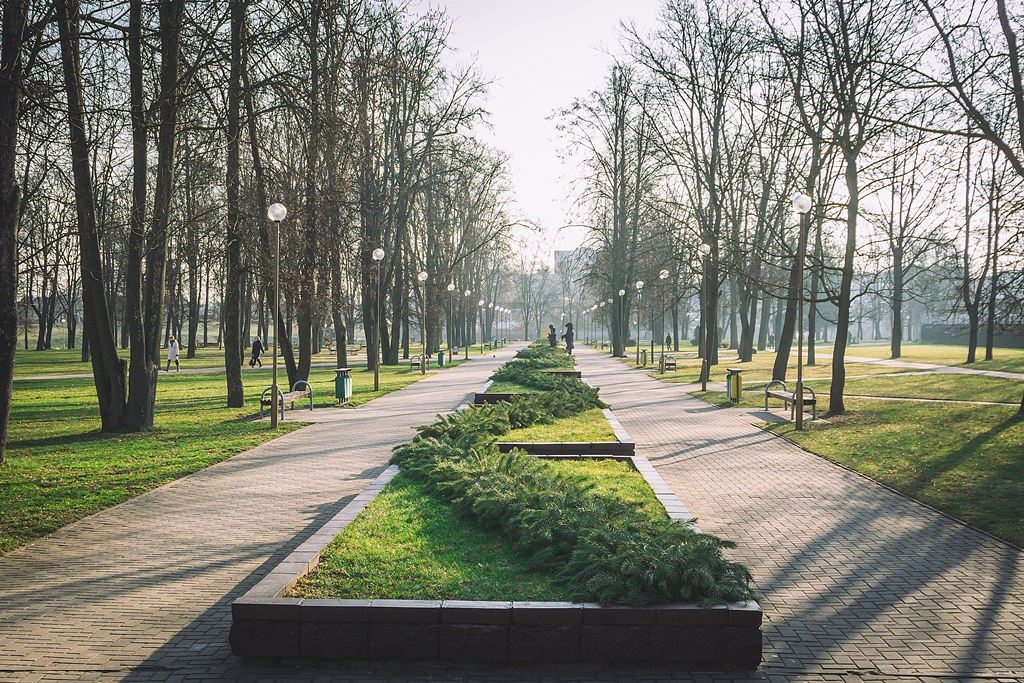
(408, 544)
(590, 425)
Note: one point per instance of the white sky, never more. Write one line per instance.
(541, 55)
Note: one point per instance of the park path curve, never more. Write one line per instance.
(143, 590)
(857, 580)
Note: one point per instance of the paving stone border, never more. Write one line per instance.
(264, 624)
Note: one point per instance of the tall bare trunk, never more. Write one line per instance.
(107, 368)
(233, 238)
(11, 76)
(836, 403)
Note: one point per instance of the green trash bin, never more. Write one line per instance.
(440, 358)
(342, 385)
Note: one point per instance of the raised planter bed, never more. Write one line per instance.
(566, 373)
(611, 448)
(481, 398)
(264, 624)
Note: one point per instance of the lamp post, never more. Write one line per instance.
(705, 368)
(378, 256)
(622, 321)
(663, 275)
(802, 206)
(422, 277)
(276, 213)
(603, 304)
(639, 294)
(451, 326)
(480, 305)
(465, 307)
(490, 307)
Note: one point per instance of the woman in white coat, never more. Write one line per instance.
(172, 354)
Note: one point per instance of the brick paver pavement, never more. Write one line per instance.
(859, 584)
(855, 578)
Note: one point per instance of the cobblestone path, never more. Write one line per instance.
(858, 582)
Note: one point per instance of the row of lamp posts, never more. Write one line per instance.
(801, 205)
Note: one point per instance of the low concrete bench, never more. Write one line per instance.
(788, 398)
(291, 397)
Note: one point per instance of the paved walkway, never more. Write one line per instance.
(856, 579)
(142, 591)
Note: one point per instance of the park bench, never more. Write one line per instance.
(414, 361)
(291, 397)
(788, 398)
(670, 363)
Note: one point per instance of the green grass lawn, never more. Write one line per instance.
(409, 545)
(590, 425)
(509, 388)
(59, 467)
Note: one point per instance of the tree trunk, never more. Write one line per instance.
(784, 339)
(836, 403)
(11, 78)
(233, 238)
(812, 308)
(896, 343)
(108, 369)
(762, 332)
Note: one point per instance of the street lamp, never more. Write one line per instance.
(451, 326)
(802, 206)
(480, 305)
(639, 294)
(705, 367)
(276, 213)
(490, 307)
(422, 277)
(378, 256)
(663, 275)
(465, 308)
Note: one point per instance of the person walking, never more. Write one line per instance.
(771, 340)
(172, 354)
(552, 336)
(568, 338)
(257, 350)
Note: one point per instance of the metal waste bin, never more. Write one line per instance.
(643, 357)
(734, 384)
(440, 358)
(342, 385)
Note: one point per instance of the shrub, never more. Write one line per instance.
(597, 545)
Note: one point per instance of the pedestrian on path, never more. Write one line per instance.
(257, 349)
(172, 354)
(568, 338)
(771, 340)
(552, 336)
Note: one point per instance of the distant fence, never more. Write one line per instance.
(959, 334)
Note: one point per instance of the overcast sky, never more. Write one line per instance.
(541, 54)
